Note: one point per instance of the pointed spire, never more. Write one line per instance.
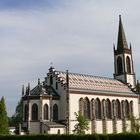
(122, 43)
(38, 82)
(28, 88)
(67, 78)
(22, 90)
(114, 46)
(130, 46)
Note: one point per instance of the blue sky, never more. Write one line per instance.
(25, 4)
(77, 35)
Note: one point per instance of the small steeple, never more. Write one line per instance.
(122, 43)
(38, 82)
(67, 78)
(29, 87)
(22, 90)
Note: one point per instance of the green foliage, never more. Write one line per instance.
(4, 127)
(82, 124)
(135, 122)
(122, 136)
(17, 117)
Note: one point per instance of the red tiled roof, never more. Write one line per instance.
(89, 82)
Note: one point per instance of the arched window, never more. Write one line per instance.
(55, 112)
(126, 109)
(108, 109)
(119, 65)
(51, 80)
(34, 112)
(46, 112)
(128, 65)
(123, 107)
(26, 112)
(97, 109)
(86, 108)
(113, 108)
(131, 108)
(104, 107)
(93, 108)
(118, 109)
(81, 106)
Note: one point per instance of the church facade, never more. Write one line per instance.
(107, 103)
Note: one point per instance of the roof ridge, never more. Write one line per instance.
(88, 75)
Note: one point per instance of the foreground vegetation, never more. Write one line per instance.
(123, 136)
(4, 126)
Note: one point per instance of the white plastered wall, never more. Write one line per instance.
(61, 92)
(74, 107)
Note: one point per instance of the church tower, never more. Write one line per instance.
(123, 61)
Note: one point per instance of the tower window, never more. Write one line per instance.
(119, 65)
(128, 64)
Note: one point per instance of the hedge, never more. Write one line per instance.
(124, 136)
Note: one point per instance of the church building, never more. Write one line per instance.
(107, 103)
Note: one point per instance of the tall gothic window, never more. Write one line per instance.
(86, 108)
(81, 106)
(118, 109)
(108, 109)
(26, 112)
(104, 107)
(93, 108)
(46, 112)
(34, 112)
(97, 109)
(55, 112)
(123, 108)
(119, 65)
(131, 108)
(126, 108)
(128, 65)
(113, 108)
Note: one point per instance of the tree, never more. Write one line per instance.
(4, 127)
(135, 124)
(16, 119)
(82, 124)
